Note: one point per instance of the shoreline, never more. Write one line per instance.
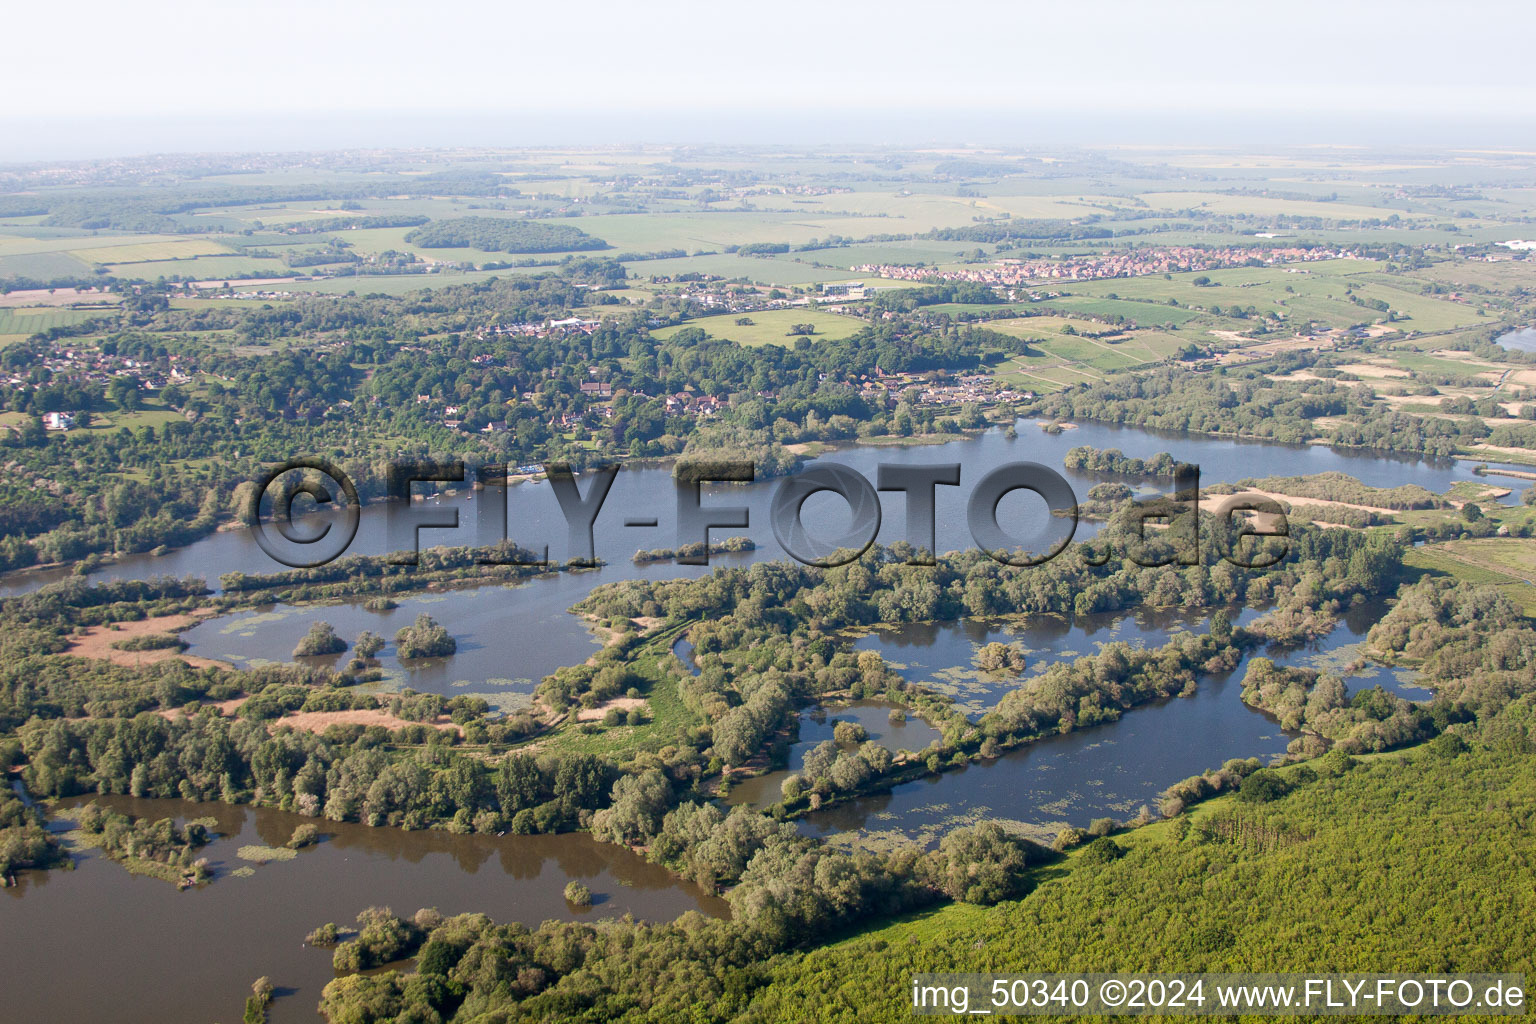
(811, 450)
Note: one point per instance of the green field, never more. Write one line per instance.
(19, 245)
(384, 284)
(1504, 563)
(1056, 359)
(149, 252)
(771, 327)
(203, 268)
(664, 712)
(1299, 292)
(904, 253)
(1267, 206)
(43, 266)
(29, 320)
(1146, 314)
(1437, 366)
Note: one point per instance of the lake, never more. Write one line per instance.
(648, 491)
(512, 636)
(1523, 340)
(815, 726)
(1109, 770)
(218, 939)
(136, 933)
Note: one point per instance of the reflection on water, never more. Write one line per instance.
(682, 649)
(816, 725)
(942, 656)
(509, 637)
(214, 941)
(1109, 770)
(1523, 340)
(535, 519)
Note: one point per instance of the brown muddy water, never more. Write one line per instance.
(98, 944)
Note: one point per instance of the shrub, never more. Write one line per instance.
(305, 835)
(1263, 786)
(320, 640)
(425, 639)
(1102, 850)
(849, 732)
(325, 935)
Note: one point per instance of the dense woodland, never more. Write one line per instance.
(1293, 877)
(133, 490)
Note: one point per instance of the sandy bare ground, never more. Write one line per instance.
(1478, 449)
(1265, 349)
(226, 708)
(1489, 493)
(622, 703)
(1373, 370)
(1396, 401)
(1215, 502)
(1518, 474)
(96, 641)
(318, 721)
(611, 636)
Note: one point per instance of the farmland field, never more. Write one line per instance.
(381, 284)
(203, 268)
(147, 252)
(1144, 313)
(42, 266)
(1267, 206)
(1507, 564)
(1321, 291)
(29, 321)
(783, 271)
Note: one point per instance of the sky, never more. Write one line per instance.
(100, 78)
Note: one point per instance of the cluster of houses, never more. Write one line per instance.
(879, 390)
(885, 391)
(540, 330)
(91, 369)
(1108, 264)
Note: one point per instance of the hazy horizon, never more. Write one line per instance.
(33, 141)
(173, 76)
